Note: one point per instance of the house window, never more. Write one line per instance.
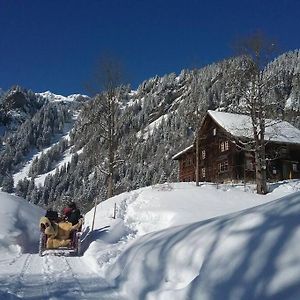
(223, 166)
(203, 172)
(284, 150)
(224, 146)
(188, 162)
(203, 154)
(249, 165)
(214, 131)
(295, 168)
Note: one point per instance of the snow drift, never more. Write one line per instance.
(249, 255)
(19, 231)
(153, 252)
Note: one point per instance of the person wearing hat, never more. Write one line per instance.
(72, 213)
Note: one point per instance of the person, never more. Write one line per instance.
(72, 213)
(61, 234)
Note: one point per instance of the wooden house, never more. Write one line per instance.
(222, 155)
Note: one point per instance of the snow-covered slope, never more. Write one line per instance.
(248, 255)
(40, 179)
(169, 241)
(234, 255)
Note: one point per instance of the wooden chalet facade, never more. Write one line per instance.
(222, 159)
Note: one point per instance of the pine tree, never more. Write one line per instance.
(8, 184)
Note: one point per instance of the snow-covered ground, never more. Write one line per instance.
(169, 241)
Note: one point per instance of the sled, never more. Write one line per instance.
(59, 238)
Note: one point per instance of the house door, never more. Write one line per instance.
(285, 170)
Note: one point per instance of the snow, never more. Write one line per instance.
(183, 151)
(59, 98)
(169, 241)
(148, 130)
(132, 93)
(241, 126)
(289, 103)
(67, 157)
(24, 171)
(18, 230)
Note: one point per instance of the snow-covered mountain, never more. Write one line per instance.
(18, 104)
(168, 241)
(157, 121)
(49, 96)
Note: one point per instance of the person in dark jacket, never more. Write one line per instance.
(72, 213)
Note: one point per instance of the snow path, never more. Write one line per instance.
(30, 276)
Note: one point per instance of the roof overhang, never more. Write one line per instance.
(184, 151)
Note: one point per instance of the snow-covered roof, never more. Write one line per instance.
(182, 152)
(241, 126)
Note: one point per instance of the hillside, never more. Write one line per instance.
(156, 121)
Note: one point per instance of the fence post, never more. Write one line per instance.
(95, 208)
(115, 210)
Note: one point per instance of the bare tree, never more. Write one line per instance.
(108, 77)
(195, 117)
(199, 107)
(254, 86)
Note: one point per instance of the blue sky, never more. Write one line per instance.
(55, 45)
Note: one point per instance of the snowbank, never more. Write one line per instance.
(19, 231)
(180, 241)
(249, 255)
(171, 204)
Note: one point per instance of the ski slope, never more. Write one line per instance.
(169, 241)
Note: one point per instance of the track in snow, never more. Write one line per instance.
(51, 277)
